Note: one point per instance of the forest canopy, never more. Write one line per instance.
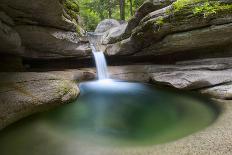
(94, 11)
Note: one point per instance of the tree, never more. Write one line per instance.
(93, 11)
(110, 8)
(122, 9)
(131, 7)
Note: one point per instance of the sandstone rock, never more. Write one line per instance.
(40, 12)
(106, 24)
(42, 42)
(22, 94)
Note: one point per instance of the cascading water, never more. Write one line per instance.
(100, 63)
(99, 57)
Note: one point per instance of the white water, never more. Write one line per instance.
(100, 63)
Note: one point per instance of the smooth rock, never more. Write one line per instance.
(165, 32)
(223, 91)
(40, 12)
(106, 25)
(22, 94)
(209, 76)
(42, 42)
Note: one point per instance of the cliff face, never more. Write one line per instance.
(184, 28)
(40, 29)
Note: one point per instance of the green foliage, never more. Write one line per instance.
(160, 21)
(93, 11)
(211, 8)
(206, 9)
(72, 8)
(202, 7)
(180, 4)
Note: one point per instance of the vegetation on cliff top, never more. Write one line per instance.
(202, 7)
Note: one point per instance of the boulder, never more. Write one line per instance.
(106, 25)
(22, 94)
(114, 34)
(45, 42)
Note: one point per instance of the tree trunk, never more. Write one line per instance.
(131, 8)
(110, 9)
(122, 9)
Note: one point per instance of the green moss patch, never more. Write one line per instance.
(202, 7)
(72, 8)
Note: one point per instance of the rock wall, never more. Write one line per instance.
(42, 29)
(174, 29)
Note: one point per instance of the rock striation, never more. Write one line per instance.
(174, 29)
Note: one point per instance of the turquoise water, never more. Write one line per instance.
(109, 114)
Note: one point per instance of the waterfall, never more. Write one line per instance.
(101, 65)
(98, 54)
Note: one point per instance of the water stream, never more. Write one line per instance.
(99, 57)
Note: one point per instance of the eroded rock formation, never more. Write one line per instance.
(22, 94)
(40, 29)
(174, 29)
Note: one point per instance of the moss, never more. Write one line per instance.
(160, 21)
(201, 7)
(180, 4)
(73, 10)
(211, 8)
(72, 7)
(64, 87)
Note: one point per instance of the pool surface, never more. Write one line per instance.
(109, 114)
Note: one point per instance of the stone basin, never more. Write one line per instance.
(110, 114)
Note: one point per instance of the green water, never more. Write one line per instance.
(109, 114)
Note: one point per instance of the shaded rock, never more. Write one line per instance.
(106, 24)
(40, 12)
(6, 19)
(42, 42)
(10, 40)
(22, 94)
(11, 63)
